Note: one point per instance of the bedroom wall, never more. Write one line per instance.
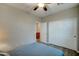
(62, 28)
(17, 27)
(44, 32)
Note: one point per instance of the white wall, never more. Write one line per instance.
(62, 28)
(44, 32)
(19, 27)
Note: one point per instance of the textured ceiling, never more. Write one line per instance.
(52, 8)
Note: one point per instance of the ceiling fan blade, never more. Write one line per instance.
(59, 3)
(35, 8)
(47, 3)
(45, 8)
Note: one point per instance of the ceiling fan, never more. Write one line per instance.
(43, 5)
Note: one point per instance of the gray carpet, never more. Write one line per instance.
(67, 52)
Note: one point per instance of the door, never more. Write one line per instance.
(63, 33)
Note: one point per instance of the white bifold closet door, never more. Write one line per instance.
(63, 33)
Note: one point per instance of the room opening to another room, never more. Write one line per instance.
(38, 31)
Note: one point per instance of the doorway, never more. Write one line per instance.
(42, 32)
(38, 31)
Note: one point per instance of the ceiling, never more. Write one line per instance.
(52, 8)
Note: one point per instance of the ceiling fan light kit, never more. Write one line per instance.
(41, 5)
(44, 6)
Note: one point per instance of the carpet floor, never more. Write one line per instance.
(67, 52)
